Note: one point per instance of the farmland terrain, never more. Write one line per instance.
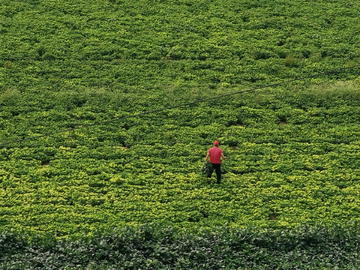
(81, 71)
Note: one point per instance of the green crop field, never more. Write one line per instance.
(112, 186)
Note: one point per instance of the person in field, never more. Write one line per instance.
(215, 154)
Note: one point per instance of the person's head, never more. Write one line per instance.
(216, 143)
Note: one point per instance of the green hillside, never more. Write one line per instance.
(127, 45)
(85, 68)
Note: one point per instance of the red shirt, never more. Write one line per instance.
(215, 154)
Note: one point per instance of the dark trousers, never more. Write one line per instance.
(215, 167)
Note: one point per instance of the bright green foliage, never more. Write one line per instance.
(292, 157)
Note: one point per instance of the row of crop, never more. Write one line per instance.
(76, 75)
(305, 95)
(94, 104)
(234, 126)
(267, 156)
(148, 191)
(161, 247)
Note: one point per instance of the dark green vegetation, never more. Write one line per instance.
(292, 151)
(149, 247)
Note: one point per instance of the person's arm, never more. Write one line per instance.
(222, 155)
(206, 156)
